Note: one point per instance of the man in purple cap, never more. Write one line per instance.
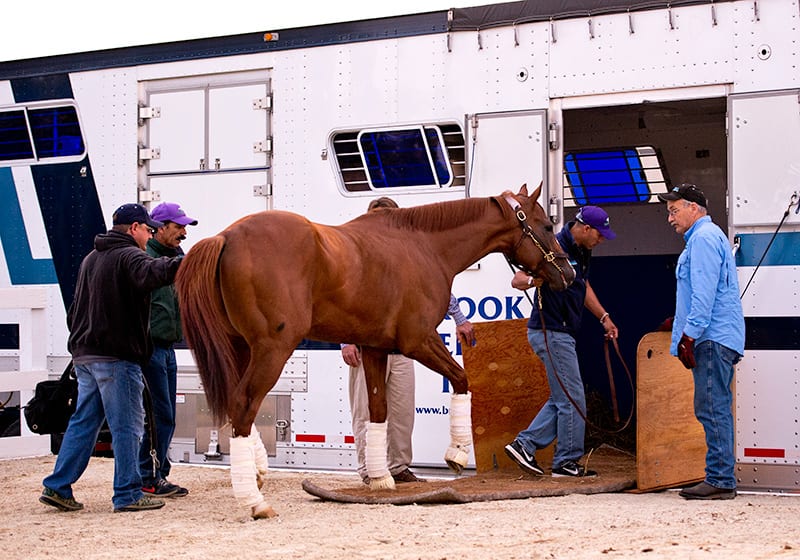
(109, 341)
(558, 418)
(161, 372)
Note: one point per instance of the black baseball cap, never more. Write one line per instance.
(685, 192)
(130, 213)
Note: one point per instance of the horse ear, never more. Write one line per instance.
(535, 194)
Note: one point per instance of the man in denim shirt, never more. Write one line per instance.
(707, 332)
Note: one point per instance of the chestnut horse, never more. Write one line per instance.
(251, 294)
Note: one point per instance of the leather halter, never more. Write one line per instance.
(527, 232)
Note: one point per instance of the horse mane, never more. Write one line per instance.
(439, 216)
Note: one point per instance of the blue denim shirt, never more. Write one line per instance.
(707, 305)
(563, 310)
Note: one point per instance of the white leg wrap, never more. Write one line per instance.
(260, 455)
(243, 472)
(375, 457)
(457, 455)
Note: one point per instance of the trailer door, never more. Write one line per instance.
(507, 150)
(207, 146)
(764, 139)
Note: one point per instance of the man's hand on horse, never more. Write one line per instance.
(351, 355)
(523, 281)
(466, 333)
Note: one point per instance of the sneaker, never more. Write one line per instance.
(406, 476)
(525, 460)
(180, 491)
(142, 504)
(162, 489)
(52, 498)
(573, 469)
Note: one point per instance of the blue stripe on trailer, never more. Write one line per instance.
(785, 250)
(22, 267)
(66, 192)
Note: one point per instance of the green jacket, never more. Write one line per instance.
(165, 319)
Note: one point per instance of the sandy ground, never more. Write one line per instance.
(209, 524)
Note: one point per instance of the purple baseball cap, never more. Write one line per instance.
(597, 218)
(171, 212)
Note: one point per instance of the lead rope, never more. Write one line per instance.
(538, 305)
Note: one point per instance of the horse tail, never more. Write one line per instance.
(206, 327)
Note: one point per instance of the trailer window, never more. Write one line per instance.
(40, 134)
(423, 156)
(616, 175)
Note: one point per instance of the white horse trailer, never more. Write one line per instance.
(608, 103)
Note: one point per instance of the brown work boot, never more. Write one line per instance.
(406, 476)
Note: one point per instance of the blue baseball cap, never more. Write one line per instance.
(597, 218)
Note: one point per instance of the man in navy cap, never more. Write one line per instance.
(161, 372)
(558, 418)
(109, 341)
(707, 332)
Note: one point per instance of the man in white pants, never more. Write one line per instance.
(399, 394)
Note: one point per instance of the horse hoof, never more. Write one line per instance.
(383, 483)
(263, 511)
(456, 458)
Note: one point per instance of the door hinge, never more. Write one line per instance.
(262, 190)
(149, 153)
(149, 113)
(149, 196)
(263, 103)
(263, 146)
(552, 135)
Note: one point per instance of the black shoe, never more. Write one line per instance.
(525, 460)
(180, 491)
(162, 489)
(573, 469)
(406, 476)
(704, 491)
(142, 504)
(53, 498)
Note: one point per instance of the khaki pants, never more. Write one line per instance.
(400, 412)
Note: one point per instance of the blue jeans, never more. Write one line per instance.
(161, 374)
(558, 418)
(111, 391)
(713, 399)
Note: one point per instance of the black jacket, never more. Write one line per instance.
(110, 313)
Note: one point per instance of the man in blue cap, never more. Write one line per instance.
(161, 372)
(558, 418)
(109, 341)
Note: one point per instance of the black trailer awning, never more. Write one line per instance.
(526, 11)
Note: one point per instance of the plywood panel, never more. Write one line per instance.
(670, 443)
(509, 385)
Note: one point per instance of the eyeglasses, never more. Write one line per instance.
(677, 209)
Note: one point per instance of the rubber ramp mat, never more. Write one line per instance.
(617, 472)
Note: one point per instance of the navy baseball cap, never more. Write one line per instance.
(597, 218)
(685, 192)
(128, 214)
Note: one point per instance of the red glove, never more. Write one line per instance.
(686, 351)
